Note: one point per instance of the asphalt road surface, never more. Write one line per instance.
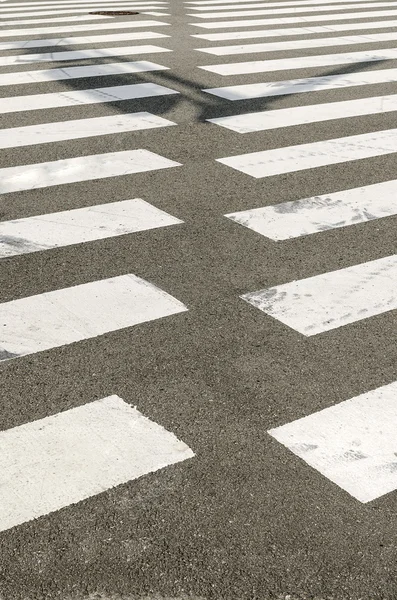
(198, 300)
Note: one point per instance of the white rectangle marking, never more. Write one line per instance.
(273, 4)
(98, 2)
(25, 59)
(93, 39)
(373, 38)
(287, 20)
(331, 300)
(300, 86)
(301, 115)
(26, 77)
(82, 97)
(74, 29)
(290, 220)
(316, 154)
(81, 312)
(54, 230)
(292, 31)
(83, 168)
(46, 133)
(287, 11)
(302, 62)
(54, 11)
(353, 443)
(68, 457)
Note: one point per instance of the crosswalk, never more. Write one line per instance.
(106, 442)
(338, 441)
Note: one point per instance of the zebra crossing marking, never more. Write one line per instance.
(82, 168)
(93, 39)
(102, 70)
(307, 216)
(262, 33)
(287, 20)
(331, 300)
(77, 28)
(292, 8)
(352, 443)
(374, 38)
(300, 86)
(303, 115)
(25, 59)
(301, 62)
(65, 458)
(81, 312)
(267, 163)
(54, 230)
(273, 4)
(69, 19)
(46, 133)
(287, 11)
(82, 97)
(87, 2)
(53, 11)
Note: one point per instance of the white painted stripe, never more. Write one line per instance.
(292, 7)
(300, 86)
(332, 300)
(93, 39)
(54, 20)
(79, 72)
(54, 11)
(307, 19)
(288, 117)
(286, 11)
(290, 220)
(373, 38)
(316, 154)
(25, 59)
(46, 133)
(269, 4)
(77, 28)
(83, 168)
(81, 312)
(352, 443)
(97, 2)
(157, 14)
(242, 35)
(68, 457)
(91, 96)
(43, 232)
(302, 62)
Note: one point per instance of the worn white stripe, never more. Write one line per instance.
(373, 38)
(288, 117)
(263, 33)
(81, 97)
(108, 21)
(291, 7)
(71, 8)
(43, 232)
(93, 39)
(312, 215)
(54, 11)
(63, 459)
(271, 4)
(83, 168)
(45, 133)
(352, 443)
(300, 86)
(287, 11)
(302, 62)
(316, 154)
(78, 72)
(53, 20)
(25, 59)
(332, 300)
(78, 313)
(96, 2)
(76, 29)
(286, 20)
